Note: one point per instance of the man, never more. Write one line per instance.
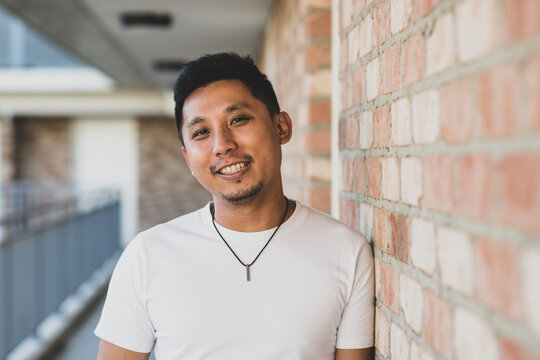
(252, 275)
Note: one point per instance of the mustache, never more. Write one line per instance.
(233, 158)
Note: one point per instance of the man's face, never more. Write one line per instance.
(232, 145)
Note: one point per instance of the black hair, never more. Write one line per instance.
(222, 66)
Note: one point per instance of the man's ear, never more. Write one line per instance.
(184, 151)
(284, 127)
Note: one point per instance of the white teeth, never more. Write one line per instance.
(232, 169)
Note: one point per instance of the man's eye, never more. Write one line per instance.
(199, 133)
(238, 119)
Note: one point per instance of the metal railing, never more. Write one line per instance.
(48, 247)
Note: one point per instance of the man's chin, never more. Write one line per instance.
(243, 196)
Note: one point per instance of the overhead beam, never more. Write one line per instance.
(72, 26)
(107, 104)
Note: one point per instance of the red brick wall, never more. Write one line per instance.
(42, 149)
(440, 152)
(166, 187)
(296, 55)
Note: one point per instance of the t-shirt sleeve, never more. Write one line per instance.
(124, 320)
(356, 329)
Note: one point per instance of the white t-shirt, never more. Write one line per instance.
(179, 290)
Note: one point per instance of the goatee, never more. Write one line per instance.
(242, 197)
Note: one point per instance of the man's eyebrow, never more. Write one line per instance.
(194, 121)
(237, 106)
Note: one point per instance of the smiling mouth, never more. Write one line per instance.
(231, 169)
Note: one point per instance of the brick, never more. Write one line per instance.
(456, 260)
(366, 36)
(457, 111)
(473, 337)
(399, 344)
(42, 149)
(412, 302)
(317, 4)
(348, 212)
(317, 24)
(318, 197)
(345, 15)
(400, 11)
(318, 141)
(498, 98)
(346, 92)
(390, 179)
(423, 245)
(162, 185)
(318, 169)
(354, 45)
(352, 133)
(377, 263)
(522, 18)
(318, 54)
(380, 218)
(440, 45)
(532, 91)
(530, 268)
(476, 28)
(359, 85)
(347, 174)
(373, 167)
(497, 276)
(343, 54)
(319, 112)
(390, 70)
(382, 333)
(399, 240)
(373, 79)
(414, 59)
(318, 83)
(366, 221)
(422, 7)
(360, 176)
(439, 324)
(475, 197)
(381, 127)
(366, 130)
(520, 193)
(380, 13)
(390, 287)
(343, 134)
(510, 350)
(425, 117)
(418, 353)
(401, 122)
(411, 181)
(438, 186)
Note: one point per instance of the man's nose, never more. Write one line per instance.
(224, 142)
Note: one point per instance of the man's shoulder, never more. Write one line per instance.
(186, 223)
(325, 225)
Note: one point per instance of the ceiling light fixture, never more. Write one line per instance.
(169, 65)
(156, 19)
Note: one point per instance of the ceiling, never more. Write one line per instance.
(92, 30)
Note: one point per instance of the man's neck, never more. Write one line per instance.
(258, 215)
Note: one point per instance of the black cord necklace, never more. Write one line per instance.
(247, 266)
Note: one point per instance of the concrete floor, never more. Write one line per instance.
(83, 344)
